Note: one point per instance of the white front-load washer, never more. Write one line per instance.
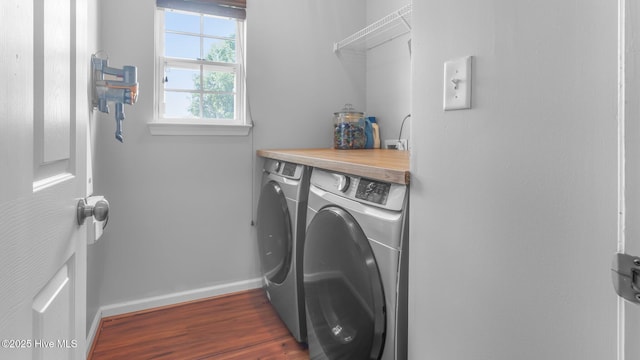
(280, 231)
(355, 267)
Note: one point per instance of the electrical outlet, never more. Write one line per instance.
(457, 84)
(396, 144)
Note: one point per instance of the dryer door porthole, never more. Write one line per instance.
(274, 233)
(343, 289)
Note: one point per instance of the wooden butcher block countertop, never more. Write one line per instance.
(379, 164)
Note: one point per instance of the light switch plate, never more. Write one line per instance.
(457, 84)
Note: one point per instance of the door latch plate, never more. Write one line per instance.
(625, 272)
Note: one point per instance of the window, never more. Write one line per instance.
(200, 85)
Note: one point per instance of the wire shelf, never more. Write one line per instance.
(393, 25)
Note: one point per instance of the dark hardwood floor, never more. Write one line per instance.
(239, 326)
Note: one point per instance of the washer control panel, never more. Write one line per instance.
(373, 191)
(367, 191)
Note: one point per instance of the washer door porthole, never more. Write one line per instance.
(343, 289)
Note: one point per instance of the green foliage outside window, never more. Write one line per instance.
(218, 105)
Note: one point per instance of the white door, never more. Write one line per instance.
(44, 109)
(629, 165)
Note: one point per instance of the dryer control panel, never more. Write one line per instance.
(283, 168)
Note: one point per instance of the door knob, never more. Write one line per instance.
(99, 210)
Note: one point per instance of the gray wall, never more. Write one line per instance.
(513, 203)
(388, 75)
(181, 207)
(295, 81)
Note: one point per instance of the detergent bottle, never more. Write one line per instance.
(368, 132)
(375, 132)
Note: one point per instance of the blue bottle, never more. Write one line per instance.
(368, 132)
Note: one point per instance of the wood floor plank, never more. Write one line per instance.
(237, 326)
(285, 349)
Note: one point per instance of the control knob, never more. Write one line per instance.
(342, 182)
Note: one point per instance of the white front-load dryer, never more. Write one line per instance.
(281, 222)
(355, 268)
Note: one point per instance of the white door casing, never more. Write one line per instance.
(628, 166)
(44, 110)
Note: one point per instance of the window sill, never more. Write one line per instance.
(191, 129)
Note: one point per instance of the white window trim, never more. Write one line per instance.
(197, 129)
(202, 127)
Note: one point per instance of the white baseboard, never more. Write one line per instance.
(168, 299)
(175, 298)
(93, 330)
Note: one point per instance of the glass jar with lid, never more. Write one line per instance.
(349, 129)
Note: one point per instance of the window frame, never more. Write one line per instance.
(161, 125)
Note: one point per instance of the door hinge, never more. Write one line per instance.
(625, 272)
